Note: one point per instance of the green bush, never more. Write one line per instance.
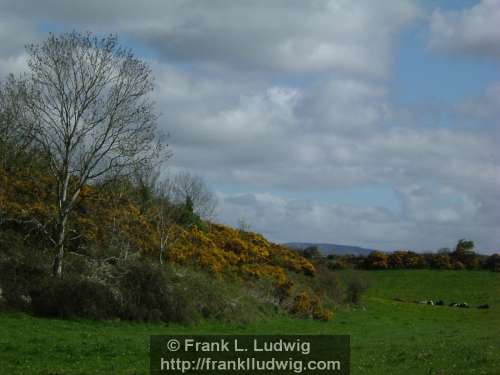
(71, 297)
(181, 294)
(18, 275)
(202, 296)
(493, 262)
(188, 218)
(356, 286)
(328, 283)
(146, 293)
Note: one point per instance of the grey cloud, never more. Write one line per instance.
(15, 33)
(473, 31)
(282, 35)
(485, 108)
(291, 36)
(368, 226)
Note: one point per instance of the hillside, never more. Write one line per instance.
(126, 239)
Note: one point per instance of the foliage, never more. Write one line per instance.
(311, 252)
(188, 218)
(402, 259)
(493, 263)
(377, 260)
(18, 275)
(146, 293)
(356, 286)
(73, 296)
(306, 305)
(464, 246)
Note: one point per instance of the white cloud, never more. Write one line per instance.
(13, 65)
(320, 138)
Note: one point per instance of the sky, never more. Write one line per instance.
(359, 122)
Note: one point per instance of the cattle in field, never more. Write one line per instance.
(463, 305)
(459, 304)
(429, 302)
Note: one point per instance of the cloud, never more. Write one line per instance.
(338, 134)
(289, 220)
(486, 107)
(471, 32)
(285, 36)
(15, 33)
(345, 36)
(13, 65)
(293, 98)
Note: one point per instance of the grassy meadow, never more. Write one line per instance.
(387, 336)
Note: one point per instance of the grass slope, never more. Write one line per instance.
(388, 337)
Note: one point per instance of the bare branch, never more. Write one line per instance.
(88, 101)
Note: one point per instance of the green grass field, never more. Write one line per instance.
(387, 337)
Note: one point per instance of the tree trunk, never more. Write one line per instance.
(162, 249)
(58, 260)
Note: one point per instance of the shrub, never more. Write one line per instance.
(187, 217)
(18, 275)
(377, 260)
(328, 282)
(282, 290)
(145, 292)
(311, 252)
(356, 286)
(306, 305)
(72, 297)
(337, 263)
(202, 296)
(493, 262)
(183, 295)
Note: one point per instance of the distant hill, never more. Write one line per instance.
(329, 248)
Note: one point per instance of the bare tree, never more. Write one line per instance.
(244, 225)
(166, 217)
(186, 185)
(156, 199)
(15, 128)
(89, 100)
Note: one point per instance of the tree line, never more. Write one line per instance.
(462, 257)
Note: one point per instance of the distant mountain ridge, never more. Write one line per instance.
(329, 248)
